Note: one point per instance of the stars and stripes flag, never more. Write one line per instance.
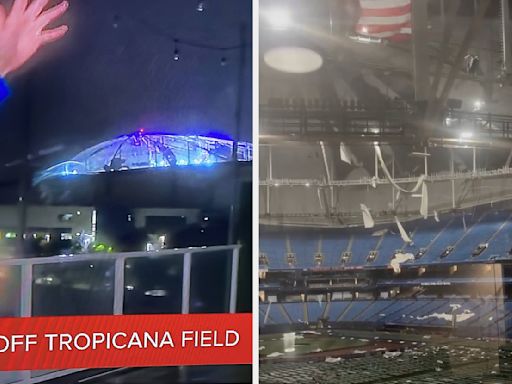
(385, 19)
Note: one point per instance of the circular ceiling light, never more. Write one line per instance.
(293, 59)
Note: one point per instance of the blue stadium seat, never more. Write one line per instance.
(501, 244)
(336, 309)
(479, 233)
(448, 236)
(333, 245)
(276, 315)
(295, 311)
(305, 247)
(376, 308)
(356, 307)
(275, 248)
(315, 310)
(363, 243)
(494, 228)
(392, 242)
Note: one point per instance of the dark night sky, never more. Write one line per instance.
(101, 81)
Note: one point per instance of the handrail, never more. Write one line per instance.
(69, 258)
(442, 176)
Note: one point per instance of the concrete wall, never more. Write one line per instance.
(47, 217)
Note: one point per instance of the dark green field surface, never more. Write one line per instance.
(351, 357)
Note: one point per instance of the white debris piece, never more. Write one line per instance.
(275, 354)
(448, 316)
(262, 348)
(390, 355)
(311, 332)
(398, 259)
(332, 359)
(357, 351)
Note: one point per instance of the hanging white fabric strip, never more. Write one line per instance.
(424, 201)
(416, 188)
(403, 233)
(367, 217)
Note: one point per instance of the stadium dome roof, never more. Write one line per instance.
(141, 150)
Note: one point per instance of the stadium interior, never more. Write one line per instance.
(385, 249)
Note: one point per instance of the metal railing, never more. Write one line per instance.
(26, 297)
(301, 118)
(440, 176)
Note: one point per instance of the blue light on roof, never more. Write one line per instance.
(142, 149)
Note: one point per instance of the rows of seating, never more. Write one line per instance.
(428, 364)
(489, 318)
(454, 237)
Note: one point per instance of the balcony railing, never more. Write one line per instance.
(101, 284)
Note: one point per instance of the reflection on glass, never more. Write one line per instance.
(153, 285)
(78, 288)
(289, 342)
(10, 278)
(210, 280)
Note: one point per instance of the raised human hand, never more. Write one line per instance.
(23, 31)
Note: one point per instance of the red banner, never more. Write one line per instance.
(124, 341)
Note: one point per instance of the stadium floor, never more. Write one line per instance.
(350, 357)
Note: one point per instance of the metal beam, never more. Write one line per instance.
(474, 28)
(505, 36)
(419, 49)
(444, 50)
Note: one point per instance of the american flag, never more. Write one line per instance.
(385, 19)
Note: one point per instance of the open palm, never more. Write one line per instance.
(23, 31)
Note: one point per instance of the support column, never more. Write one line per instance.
(505, 35)
(421, 69)
(185, 291)
(474, 160)
(26, 290)
(118, 286)
(376, 163)
(453, 194)
(234, 280)
(269, 175)
(426, 162)
(452, 172)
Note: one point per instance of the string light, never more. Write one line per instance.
(115, 23)
(201, 6)
(177, 53)
(176, 56)
(157, 30)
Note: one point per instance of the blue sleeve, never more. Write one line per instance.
(5, 92)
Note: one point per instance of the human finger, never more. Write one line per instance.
(51, 35)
